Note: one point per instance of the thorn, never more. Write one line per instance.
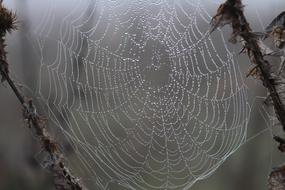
(252, 72)
(275, 53)
(281, 142)
(242, 50)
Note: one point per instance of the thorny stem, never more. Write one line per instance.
(232, 12)
(13, 86)
(63, 179)
(256, 57)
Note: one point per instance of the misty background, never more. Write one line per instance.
(20, 157)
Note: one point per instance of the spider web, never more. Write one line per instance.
(145, 97)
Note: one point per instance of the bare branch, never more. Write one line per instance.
(231, 12)
(63, 179)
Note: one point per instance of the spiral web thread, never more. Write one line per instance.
(146, 98)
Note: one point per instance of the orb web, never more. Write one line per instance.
(145, 97)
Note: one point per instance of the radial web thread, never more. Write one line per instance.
(146, 98)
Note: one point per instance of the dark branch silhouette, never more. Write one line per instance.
(63, 179)
(231, 12)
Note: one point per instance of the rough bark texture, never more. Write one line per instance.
(231, 12)
(63, 179)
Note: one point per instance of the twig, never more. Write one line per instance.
(231, 12)
(63, 179)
